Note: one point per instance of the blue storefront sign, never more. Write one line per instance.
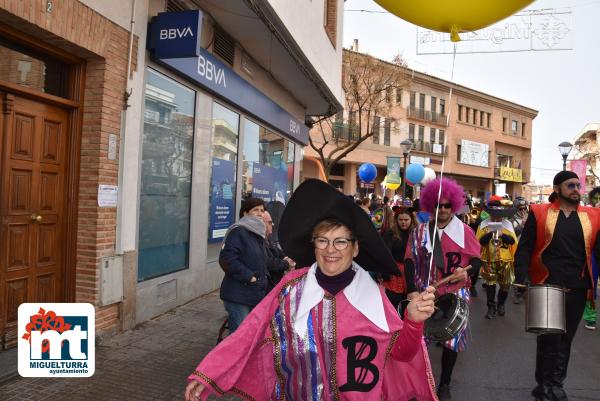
(207, 71)
(177, 34)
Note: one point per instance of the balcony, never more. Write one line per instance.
(509, 174)
(346, 132)
(427, 115)
(427, 147)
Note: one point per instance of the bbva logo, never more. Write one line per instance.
(56, 340)
(175, 33)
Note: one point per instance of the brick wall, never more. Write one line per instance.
(85, 33)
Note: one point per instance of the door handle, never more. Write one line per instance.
(35, 218)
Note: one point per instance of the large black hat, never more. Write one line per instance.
(500, 207)
(315, 201)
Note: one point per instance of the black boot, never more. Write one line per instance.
(502, 295)
(490, 291)
(443, 392)
(559, 374)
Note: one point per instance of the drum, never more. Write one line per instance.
(449, 318)
(545, 312)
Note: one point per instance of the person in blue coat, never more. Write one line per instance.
(243, 258)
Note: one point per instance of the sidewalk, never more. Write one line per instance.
(149, 363)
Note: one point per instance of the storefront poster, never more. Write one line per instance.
(579, 167)
(269, 184)
(393, 170)
(222, 202)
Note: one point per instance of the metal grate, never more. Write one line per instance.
(174, 5)
(224, 46)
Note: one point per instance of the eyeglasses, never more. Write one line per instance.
(574, 185)
(338, 243)
(444, 206)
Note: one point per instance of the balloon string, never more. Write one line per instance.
(435, 227)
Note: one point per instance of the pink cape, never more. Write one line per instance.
(266, 360)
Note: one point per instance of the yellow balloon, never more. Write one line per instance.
(453, 16)
(393, 187)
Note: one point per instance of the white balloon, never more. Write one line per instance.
(429, 175)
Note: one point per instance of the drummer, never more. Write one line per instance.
(326, 331)
(455, 248)
(561, 259)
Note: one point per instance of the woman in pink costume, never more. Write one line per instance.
(325, 332)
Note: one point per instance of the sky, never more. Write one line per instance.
(563, 85)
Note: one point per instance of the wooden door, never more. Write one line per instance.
(32, 207)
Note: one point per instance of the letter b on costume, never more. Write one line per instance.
(361, 351)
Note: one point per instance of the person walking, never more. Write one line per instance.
(498, 245)
(556, 248)
(277, 263)
(590, 315)
(453, 248)
(395, 238)
(243, 258)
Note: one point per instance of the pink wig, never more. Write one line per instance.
(451, 191)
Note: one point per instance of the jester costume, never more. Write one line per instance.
(302, 343)
(556, 248)
(457, 247)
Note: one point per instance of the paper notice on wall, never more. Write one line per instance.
(108, 195)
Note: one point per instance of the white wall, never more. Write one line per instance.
(304, 20)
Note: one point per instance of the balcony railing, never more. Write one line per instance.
(347, 132)
(427, 147)
(427, 115)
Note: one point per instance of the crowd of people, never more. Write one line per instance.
(337, 307)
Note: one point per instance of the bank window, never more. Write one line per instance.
(411, 132)
(523, 129)
(268, 168)
(398, 96)
(489, 120)
(166, 177)
(431, 135)
(460, 112)
(442, 106)
(421, 133)
(225, 124)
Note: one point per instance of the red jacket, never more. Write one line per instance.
(546, 216)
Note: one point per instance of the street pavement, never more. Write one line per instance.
(151, 362)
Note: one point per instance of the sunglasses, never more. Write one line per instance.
(574, 185)
(444, 206)
(522, 208)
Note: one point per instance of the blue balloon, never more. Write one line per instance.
(415, 172)
(367, 172)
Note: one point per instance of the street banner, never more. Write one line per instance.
(511, 174)
(474, 153)
(393, 170)
(530, 30)
(579, 167)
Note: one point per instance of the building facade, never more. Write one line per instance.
(487, 139)
(586, 148)
(124, 160)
